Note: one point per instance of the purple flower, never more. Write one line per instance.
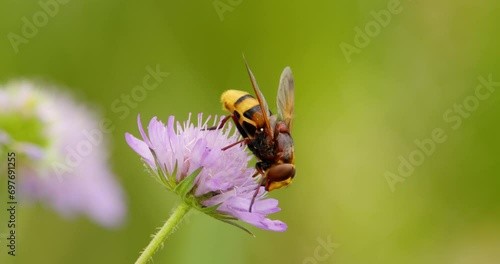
(63, 159)
(219, 183)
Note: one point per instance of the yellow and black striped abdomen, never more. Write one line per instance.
(246, 110)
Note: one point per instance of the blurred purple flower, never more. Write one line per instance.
(62, 156)
(173, 152)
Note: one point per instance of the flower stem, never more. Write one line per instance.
(166, 230)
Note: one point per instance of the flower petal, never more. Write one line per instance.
(262, 222)
(265, 207)
(143, 134)
(141, 148)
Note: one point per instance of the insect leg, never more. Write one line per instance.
(222, 123)
(245, 140)
(259, 171)
(255, 193)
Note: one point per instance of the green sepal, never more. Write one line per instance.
(237, 225)
(227, 217)
(173, 177)
(187, 184)
(160, 175)
(222, 216)
(209, 209)
(229, 220)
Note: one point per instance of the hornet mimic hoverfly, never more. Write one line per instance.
(268, 136)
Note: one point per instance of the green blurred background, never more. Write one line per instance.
(353, 120)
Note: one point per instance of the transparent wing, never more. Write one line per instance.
(286, 97)
(262, 101)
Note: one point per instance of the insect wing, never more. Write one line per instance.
(286, 97)
(262, 101)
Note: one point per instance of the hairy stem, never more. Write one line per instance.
(165, 230)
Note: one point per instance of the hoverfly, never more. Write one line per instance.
(268, 136)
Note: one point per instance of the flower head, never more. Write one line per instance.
(188, 160)
(64, 157)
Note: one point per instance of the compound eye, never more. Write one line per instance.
(281, 172)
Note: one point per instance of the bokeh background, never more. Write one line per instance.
(355, 115)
